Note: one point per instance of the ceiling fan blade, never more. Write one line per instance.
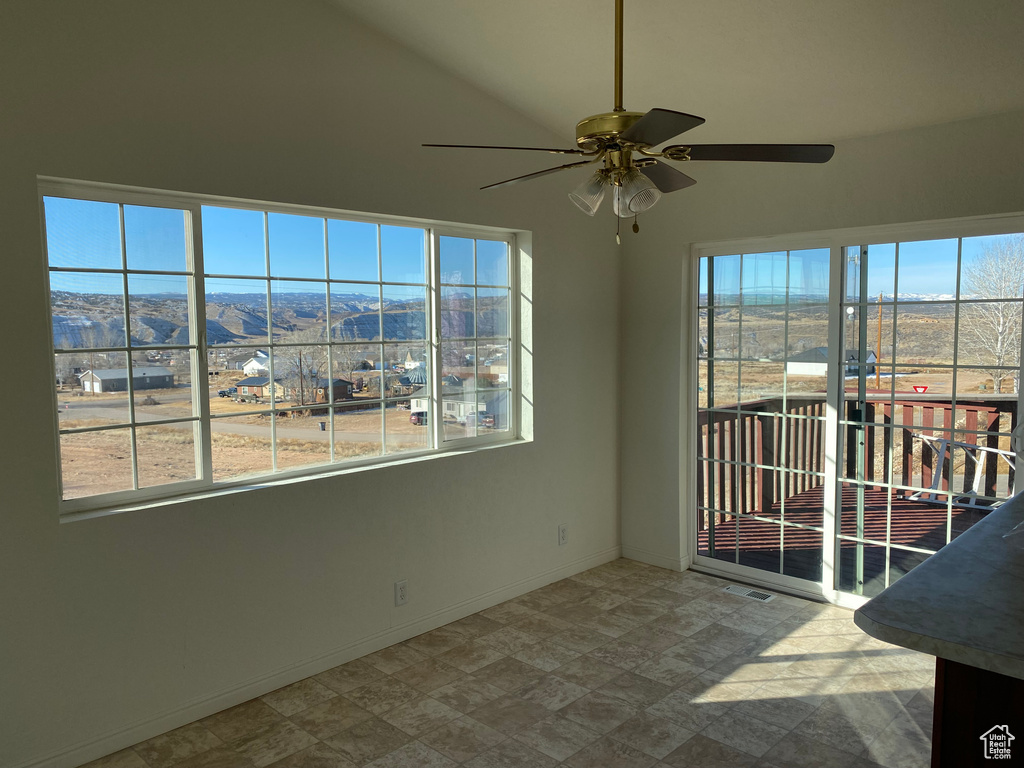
(528, 149)
(659, 125)
(764, 153)
(666, 178)
(537, 174)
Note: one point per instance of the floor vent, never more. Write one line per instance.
(753, 594)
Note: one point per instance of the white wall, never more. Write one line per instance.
(117, 628)
(961, 169)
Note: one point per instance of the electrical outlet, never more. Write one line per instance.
(401, 592)
(563, 535)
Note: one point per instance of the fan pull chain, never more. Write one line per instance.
(636, 226)
(618, 240)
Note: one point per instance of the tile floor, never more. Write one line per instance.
(623, 666)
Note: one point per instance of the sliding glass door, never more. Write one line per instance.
(854, 405)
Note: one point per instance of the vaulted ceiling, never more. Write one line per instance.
(757, 70)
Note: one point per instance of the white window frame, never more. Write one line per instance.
(192, 203)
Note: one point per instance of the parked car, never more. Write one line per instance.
(229, 392)
(418, 417)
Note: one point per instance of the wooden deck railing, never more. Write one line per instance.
(747, 462)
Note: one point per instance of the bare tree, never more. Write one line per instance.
(993, 328)
(303, 367)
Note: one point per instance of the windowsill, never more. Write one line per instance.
(243, 486)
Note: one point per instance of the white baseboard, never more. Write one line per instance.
(207, 705)
(654, 558)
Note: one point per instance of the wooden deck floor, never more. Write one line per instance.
(797, 552)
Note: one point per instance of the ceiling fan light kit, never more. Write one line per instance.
(622, 141)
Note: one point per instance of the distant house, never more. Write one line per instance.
(256, 365)
(463, 407)
(116, 379)
(258, 386)
(814, 362)
(322, 391)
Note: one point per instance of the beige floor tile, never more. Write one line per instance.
(429, 675)
(539, 600)
(831, 726)
(347, 677)
(394, 658)
(574, 612)
(747, 734)
(413, 755)
(126, 758)
(600, 712)
(174, 746)
(436, 642)
(592, 578)
(628, 586)
(328, 717)
(580, 639)
(557, 737)
(622, 654)
(668, 670)
(218, 757)
(606, 599)
(613, 625)
(508, 640)
(542, 625)
(467, 694)
(636, 690)
(651, 637)
(511, 754)
(236, 722)
(471, 656)
(697, 652)
(810, 690)
(507, 613)
(510, 714)
(705, 687)
(475, 626)
(298, 696)
(367, 741)
(652, 735)
(680, 708)
(380, 696)
(552, 692)
(462, 739)
(751, 623)
(796, 751)
(508, 674)
(587, 671)
(421, 715)
(901, 745)
(784, 712)
(639, 610)
(608, 753)
(702, 752)
(270, 744)
(317, 756)
(546, 655)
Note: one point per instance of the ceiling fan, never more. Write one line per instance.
(635, 173)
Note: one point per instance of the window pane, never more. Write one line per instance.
(158, 306)
(927, 270)
(764, 278)
(355, 363)
(492, 312)
(727, 333)
(809, 276)
(302, 374)
(82, 234)
(457, 311)
(236, 311)
(154, 238)
(403, 255)
(355, 312)
(457, 362)
(726, 277)
(992, 267)
(241, 446)
(494, 411)
(357, 431)
(87, 310)
(405, 312)
(96, 462)
(166, 453)
(299, 311)
(702, 282)
(233, 242)
(491, 262)
(104, 391)
(457, 260)
(352, 246)
(924, 332)
(492, 363)
(990, 333)
(401, 432)
(303, 438)
(296, 246)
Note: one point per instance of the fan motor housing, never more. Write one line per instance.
(598, 130)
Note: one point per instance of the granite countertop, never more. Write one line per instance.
(965, 603)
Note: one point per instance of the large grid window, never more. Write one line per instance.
(199, 342)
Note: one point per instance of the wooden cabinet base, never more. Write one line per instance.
(979, 718)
